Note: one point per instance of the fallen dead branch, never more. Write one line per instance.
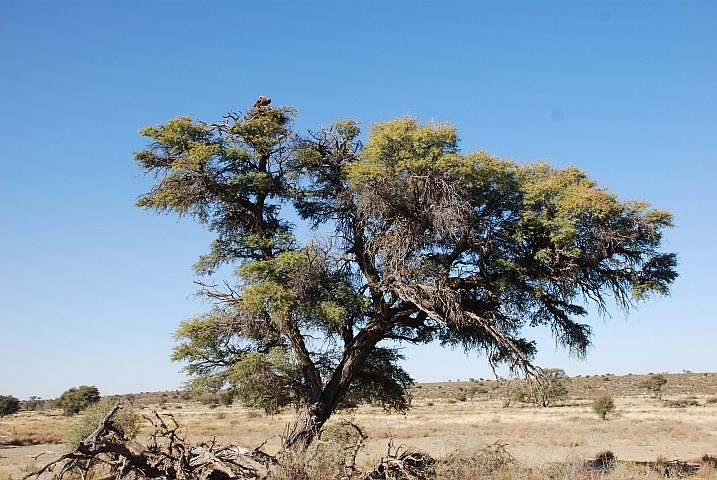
(166, 457)
(402, 463)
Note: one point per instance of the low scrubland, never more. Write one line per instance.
(469, 436)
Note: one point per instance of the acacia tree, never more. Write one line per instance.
(424, 244)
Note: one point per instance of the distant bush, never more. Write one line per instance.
(8, 405)
(553, 386)
(517, 395)
(77, 399)
(126, 420)
(473, 390)
(711, 399)
(656, 383)
(681, 403)
(226, 398)
(604, 406)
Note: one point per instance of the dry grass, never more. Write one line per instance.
(33, 428)
(551, 442)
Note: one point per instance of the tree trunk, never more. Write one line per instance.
(305, 428)
(313, 416)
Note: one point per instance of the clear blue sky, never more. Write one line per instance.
(91, 288)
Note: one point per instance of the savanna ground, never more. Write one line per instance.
(683, 425)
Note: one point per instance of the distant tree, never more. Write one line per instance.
(77, 399)
(475, 389)
(426, 244)
(656, 383)
(34, 403)
(8, 405)
(604, 406)
(551, 386)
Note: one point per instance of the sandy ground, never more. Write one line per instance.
(643, 430)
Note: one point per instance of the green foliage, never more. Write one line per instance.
(474, 390)
(77, 399)
(381, 381)
(8, 405)
(226, 398)
(126, 420)
(604, 406)
(517, 394)
(259, 381)
(552, 387)
(421, 243)
(656, 383)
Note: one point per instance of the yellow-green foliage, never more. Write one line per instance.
(403, 146)
(126, 420)
(604, 406)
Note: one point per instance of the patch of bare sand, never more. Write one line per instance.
(16, 462)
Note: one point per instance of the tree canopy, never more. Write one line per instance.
(414, 242)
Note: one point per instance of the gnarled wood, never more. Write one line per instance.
(166, 457)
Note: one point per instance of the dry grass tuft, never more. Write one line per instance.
(708, 461)
(472, 462)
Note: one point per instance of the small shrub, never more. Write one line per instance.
(708, 461)
(77, 399)
(8, 405)
(711, 399)
(681, 403)
(126, 420)
(226, 398)
(475, 462)
(605, 459)
(517, 395)
(656, 383)
(606, 456)
(473, 390)
(336, 451)
(604, 406)
(460, 396)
